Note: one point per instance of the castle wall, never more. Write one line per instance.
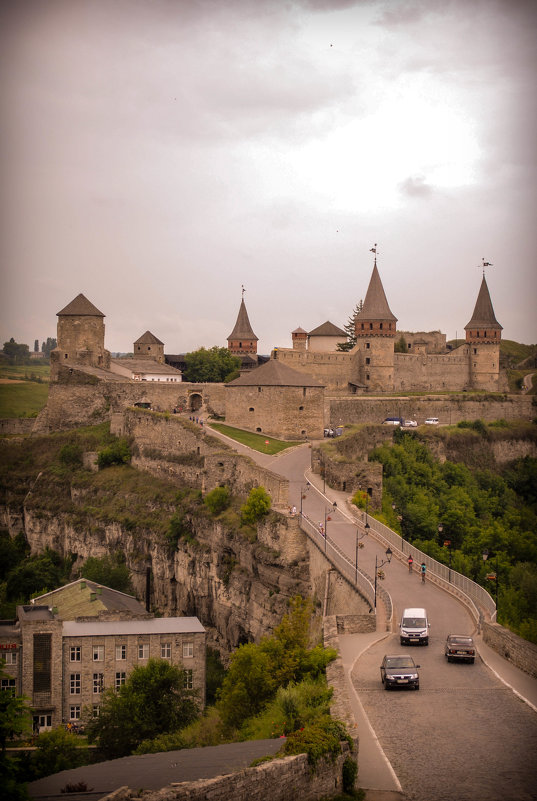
(81, 399)
(449, 409)
(289, 412)
(434, 341)
(436, 372)
(334, 369)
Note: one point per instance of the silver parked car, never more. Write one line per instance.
(460, 646)
(399, 670)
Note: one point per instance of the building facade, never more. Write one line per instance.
(64, 666)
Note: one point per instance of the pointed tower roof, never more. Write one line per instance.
(148, 339)
(81, 307)
(375, 305)
(243, 329)
(327, 329)
(483, 316)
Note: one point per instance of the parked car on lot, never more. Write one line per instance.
(410, 424)
(460, 646)
(431, 421)
(393, 421)
(399, 670)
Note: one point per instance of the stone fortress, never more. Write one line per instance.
(296, 392)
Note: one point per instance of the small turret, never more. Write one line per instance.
(300, 338)
(149, 347)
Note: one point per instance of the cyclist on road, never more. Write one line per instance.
(423, 570)
(410, 563)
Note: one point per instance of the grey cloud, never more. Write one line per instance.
(415, 186)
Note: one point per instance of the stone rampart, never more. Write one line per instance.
(170, 446)
(86, 400)
(520, 652)
(16, 426)
(450, 409)
(278, 780)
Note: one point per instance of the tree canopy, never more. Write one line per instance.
(110, 570)
(476, 509)
(16, 352)
(213, 365)
(152, 701)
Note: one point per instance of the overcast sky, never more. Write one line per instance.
(156, 155)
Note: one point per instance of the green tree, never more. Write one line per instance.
(217, 500)
(256, 507)
(110, 570)
(118, 452)
(248, 685)
(57, 750)
(38, 574)
(16, 353)
(47, 346)
(212, 365)
(153, 701)
(350, 329)
(401, 345)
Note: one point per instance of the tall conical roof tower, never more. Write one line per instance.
(375, 328)
(483, 318)
(483, 335)
(242, 339)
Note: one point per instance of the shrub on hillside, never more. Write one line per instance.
(117, 453)
(256, 507)
(218, 500)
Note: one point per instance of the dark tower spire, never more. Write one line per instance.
(242, 339)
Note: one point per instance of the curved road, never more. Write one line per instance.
(465, 734)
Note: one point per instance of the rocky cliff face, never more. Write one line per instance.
(238, 589)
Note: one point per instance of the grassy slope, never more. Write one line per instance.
(258, 442)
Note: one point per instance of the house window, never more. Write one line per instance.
(188, 650)
(98, 653)
(96, 710)
(11, 658)
(189, 681)
(74, 653)
(300, 408)
(121, 678)
(74, 712)
(367, 345)
(98, 683)
(74, 684)
(8, 685)
(166, 650)
(368, 360)
(143, 650)
(121, 652)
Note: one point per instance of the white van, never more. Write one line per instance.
(414, 626)
(431, 421)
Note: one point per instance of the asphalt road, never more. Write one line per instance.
(464, 734)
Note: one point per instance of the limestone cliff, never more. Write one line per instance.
(238, 589)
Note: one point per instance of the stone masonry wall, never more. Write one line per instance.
(17, 425)
(163, 440)
(520, 652)
(277, 780)
(449, 409)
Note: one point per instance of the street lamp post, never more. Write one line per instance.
(358, 538)
(302, 496)
(327, 510)
(378, 566)
(492, 576)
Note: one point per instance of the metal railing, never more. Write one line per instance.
(474, 591)
(357, 577)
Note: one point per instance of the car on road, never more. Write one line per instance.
(431, 421)
(399, 670)
(393, 421)
(460, 647)
(410, 424)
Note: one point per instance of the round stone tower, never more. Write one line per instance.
(375, 329)
(483, 336)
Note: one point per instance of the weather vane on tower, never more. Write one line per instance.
(374, 250)
(485, 264)
(243, 291)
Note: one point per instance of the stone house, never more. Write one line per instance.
(63, 657)
(277, 400)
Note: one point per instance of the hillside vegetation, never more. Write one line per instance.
(478, 508)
